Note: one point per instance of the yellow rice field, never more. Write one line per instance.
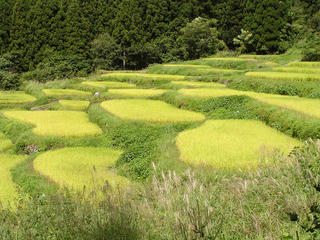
(198, 84)
(143, 76)
(150, 111)
(65, 92)
(232, 144)
(8, 190)
(231, 59)
(140, 93)
(103, 84)
(187, 66)
(15, 97)
(297, 70)
(56, 123)
(5, 143)
(210, 92)
(304, 64)
(284, 76)
(74, 104)
(80, 167)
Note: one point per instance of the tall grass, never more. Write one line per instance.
(150, 110)
(231, 59)
(284, 76)
(304, 64)
(297, 70)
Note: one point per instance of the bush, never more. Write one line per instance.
(313, 56)
(9, 81)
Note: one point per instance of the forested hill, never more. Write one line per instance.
(135, 33)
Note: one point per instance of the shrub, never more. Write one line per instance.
(9, 81)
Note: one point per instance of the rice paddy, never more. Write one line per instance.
(284, 76)
(150, 110)
(198, 84)
(56, 123)
(140, 93)
(232, 144)
(210, 92)
(5, 143)
(80, 167)
(8, 190)
(297, 70)
(134, 76)
(187, 66)
(65, 92)
(15, 97)
(109, 84)
(74, 104)
(304, 64)
(231, 59)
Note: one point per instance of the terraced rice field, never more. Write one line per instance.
(8, 190)
(65, 92)
(109, 84)
(232, 144)
(297, 70)
(210, 92)
(187, 66)
(198, 84)
(5, 143)
(284, 76)
(134, 76)
(140, 93)
(150, 110)
(80, 167)
(56, 123)
(231, 59)
(304, 64)
(74, 104)
(15, 97)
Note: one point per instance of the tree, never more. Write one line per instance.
(200, 38)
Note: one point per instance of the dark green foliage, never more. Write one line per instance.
(9, 81)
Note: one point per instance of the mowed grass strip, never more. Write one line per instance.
(15, 97)
(284, 76)
(232, 144)
(74, 104)
(230, 59)
(297, 70)
(150, 110)
(304, 64)
(134, 76)
(8, 190)
(141, 93)
(56, 123)
(210, 92)
(80, 167)
(65, 92)
(102, 84)
(198, 84)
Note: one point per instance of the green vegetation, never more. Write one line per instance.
(297, 70)
(80, 167)
(210, 92)
(74, 104)
(285, 76)
(65, 92)
(5, 143)
(150, 111)
(137, 76)
(8, 191)
(304, 64)
(141, 93)
(186, 66)
(231, 59)
(233, 144)
(56, 123)
(15, 97)
(198, 84)
(109, 84)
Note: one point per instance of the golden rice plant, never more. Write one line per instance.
(232, 144)
(140, 93)
(80, 167)
(297, 70)
(198, 84)
(56, 123)
(103, 84)
(65, 92)
(15, 97)
(186, 66)
(150, 110)
(304, 64)
(210, 92)
(74, 104)
(8, 191)
(285, 76)
(230, 59)
(139, 76)
(5, 143)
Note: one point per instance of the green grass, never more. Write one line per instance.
(150, 111)
(56, 123)
(134, 76)
(5, 143)
(304, 64)
(284, 76)
(297, 70)
(80, 166)
(109, 84)
(210, 92)
(8, 191)
(74, 104)
(231, 59)
(141, 93)
(15, 97)
(232, 144)
(186, 65)
(198, 84)
(65, 92)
